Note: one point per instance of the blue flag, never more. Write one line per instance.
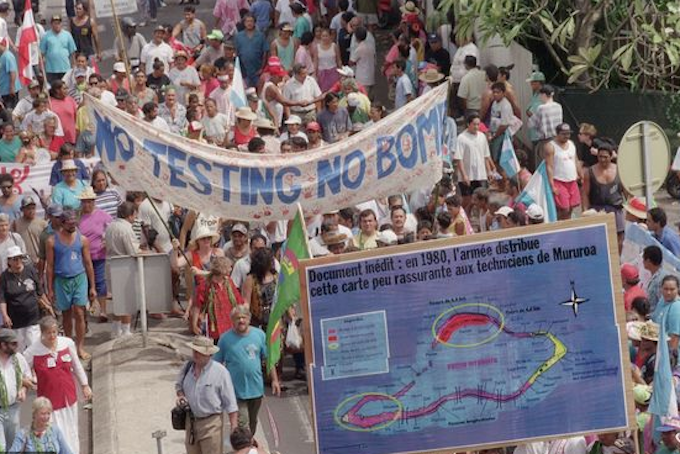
(238, 90)
(508, 159)
(538, 191)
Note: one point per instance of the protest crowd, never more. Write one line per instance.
(273, 78)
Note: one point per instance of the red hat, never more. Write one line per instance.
(629, 273)
(273, 61)
(277, 71)
(313, 126)
(483, 128)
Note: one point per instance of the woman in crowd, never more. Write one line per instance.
(216, 295)
(55, 362)
(260, 286)
(202, 251)
(67, 191)
(108, 199)
(93, 224)
(326, 57)
(42, 435)
(49, 139)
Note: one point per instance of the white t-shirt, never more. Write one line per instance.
(3, 28)
(501, 114)
(285, 14)
(152, 51)
(149, 217)
(161, 124)
(457, 65)
(306, 91)
(216, 127)
(177, 76)
(472, 150)
(364, 57)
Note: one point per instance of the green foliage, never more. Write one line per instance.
(595, 43)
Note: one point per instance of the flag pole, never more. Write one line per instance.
(119, 34)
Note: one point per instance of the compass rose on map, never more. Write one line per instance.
(574, 300)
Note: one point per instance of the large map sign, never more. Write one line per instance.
(478, 341)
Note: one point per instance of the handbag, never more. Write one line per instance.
(178, 415)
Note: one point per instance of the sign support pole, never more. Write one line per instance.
(647, 163)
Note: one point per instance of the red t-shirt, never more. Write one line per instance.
(632, 293)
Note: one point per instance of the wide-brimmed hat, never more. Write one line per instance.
(637, 206)
(409, 8)
(387, 237)
(205, 232)
(331, 238)
(669, 424)
(649, 331)
(286, 27)
(68, 164)
(203, 345)
(345, 71)
(245, 113)
(181, 54)
(633, 329)
(265, 123)
(87, 194)
(430, 76)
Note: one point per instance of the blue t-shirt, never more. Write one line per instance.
(243, 355)
(66, 196)
(251, 51)
(12, 211)
(262, 11)
(669, 313)
(8, 64)
(670, 240)
(57, 49)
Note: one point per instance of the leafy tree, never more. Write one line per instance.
(595, 43)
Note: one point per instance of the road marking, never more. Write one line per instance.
(272, 424)
(306, 423)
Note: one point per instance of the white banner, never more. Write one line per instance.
(400, 153)
(35, 180)
(103, 8)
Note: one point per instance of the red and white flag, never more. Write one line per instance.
(28, 46)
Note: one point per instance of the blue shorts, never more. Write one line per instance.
(100, 276)
(71, 291)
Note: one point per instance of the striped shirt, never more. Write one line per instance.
(108, 201)
(546, 119)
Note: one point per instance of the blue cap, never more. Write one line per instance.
(55, 209)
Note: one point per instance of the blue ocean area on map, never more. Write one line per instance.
(523, 345)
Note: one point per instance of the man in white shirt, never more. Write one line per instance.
(156, 49)
(283, 13)
(404, 91)
(501, 118)
(472, 87)
(215, 123)
(473, 160)
(150, 111)
(303, 88)
(362, 57)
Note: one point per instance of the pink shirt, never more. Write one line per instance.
(209, 85)
(227, 11)
(303, 57)
(93, 226)
(66, 111)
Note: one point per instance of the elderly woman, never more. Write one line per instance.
(93, 224)
(202, 253)
(55, 362)
(21, 297)
(67, 191)
(215, 297)
(41, 436)
(108, 199)
(174, 113)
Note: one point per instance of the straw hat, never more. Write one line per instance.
(409, 8)
(68, 164)
(203, 345)
(650, 331)
(637, 206)
(205, 232)
(245, 113)
(265, 123)
(431, 76)
(87, 194)
(633, 329)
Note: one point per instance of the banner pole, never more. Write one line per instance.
(119, 34)
(167, 229)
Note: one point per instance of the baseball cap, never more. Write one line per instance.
(159, 28)
(119, 67)
(293, 120)
(346, 71)
(216, 34)
(629, 272)
(6, 334)
(34, 84)
(79, 72)
(27, 201)
(536, 76)
(313, 126)
(504, 211)
(534, 212)
(54, 209)
(56, 18)
(387, 237)
(240, 228)
(433, 38)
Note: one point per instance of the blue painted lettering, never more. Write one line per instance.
(294, 188)
(356, 155)
(384, 147)
(328, 174)
(226, 180)
(204, 181)
(404, 143)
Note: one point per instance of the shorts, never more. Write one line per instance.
(100, 276)
(569, 195)
(71, 291)
(466, 190)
